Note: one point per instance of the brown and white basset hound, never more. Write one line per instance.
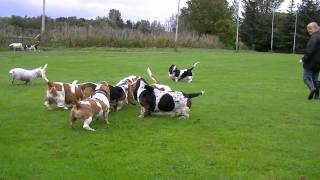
(92, 108)
(64, 95)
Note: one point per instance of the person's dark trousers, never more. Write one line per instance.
(310, 78)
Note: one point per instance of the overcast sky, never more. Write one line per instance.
(130, 9)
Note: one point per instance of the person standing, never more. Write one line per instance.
(311, 61)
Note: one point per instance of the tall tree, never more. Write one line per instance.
(255, 30)
(115, 18)
(210, 17)
(286, 29)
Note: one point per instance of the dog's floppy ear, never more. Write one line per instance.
(172, 68)
(149, 88)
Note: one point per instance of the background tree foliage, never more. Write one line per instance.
(210, 17)
(255, 30)
(201, 18)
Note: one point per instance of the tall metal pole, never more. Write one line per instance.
(43, 16)
(177, 25)
(272, 29)
(295, 34)
(237, 38)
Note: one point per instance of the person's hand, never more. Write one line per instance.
(300, 61)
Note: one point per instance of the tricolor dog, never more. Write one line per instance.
(92, 108)
(156, 83)
(28, 75)
(31, 47)
(121, 93)
(157, 102)
(64, 95)
(177, 75)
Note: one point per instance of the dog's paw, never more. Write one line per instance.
(141, 116)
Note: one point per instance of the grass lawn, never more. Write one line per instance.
(254, 122)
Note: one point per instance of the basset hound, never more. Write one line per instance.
(178, 75)
(92, 108)
(157, 102)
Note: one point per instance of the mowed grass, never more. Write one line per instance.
(254, 122)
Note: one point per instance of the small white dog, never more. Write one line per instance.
(16, 46)
(28, 75)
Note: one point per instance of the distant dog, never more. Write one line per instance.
(156, 83)
(177, 75)
(16, 46)
(28, 75)
(156, 102)
(31, 47)
(95, 107)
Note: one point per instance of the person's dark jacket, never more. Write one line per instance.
(311, 58)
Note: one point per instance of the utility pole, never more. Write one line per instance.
(272, 28)
(237, 37)
(177, 25)
(295, 33)
(43, 17)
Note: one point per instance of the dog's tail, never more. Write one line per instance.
(151, 76)
(194, 65)
(192, 95)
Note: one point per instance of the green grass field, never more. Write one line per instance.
(254, 122)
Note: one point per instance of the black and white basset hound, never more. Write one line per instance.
(31, 47)
(157, 102)
(184, 74)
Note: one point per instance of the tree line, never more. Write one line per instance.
(211, 23)
(255, 29)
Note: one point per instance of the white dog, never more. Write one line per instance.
(16, 46)
(28, 75)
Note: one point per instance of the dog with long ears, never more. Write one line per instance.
(157, 102)
(156, 83)
(64, 95)
(121, 94)
(28, 75)
(92, 108)
(178, 75)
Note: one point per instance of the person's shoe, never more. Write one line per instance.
(312, 93)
